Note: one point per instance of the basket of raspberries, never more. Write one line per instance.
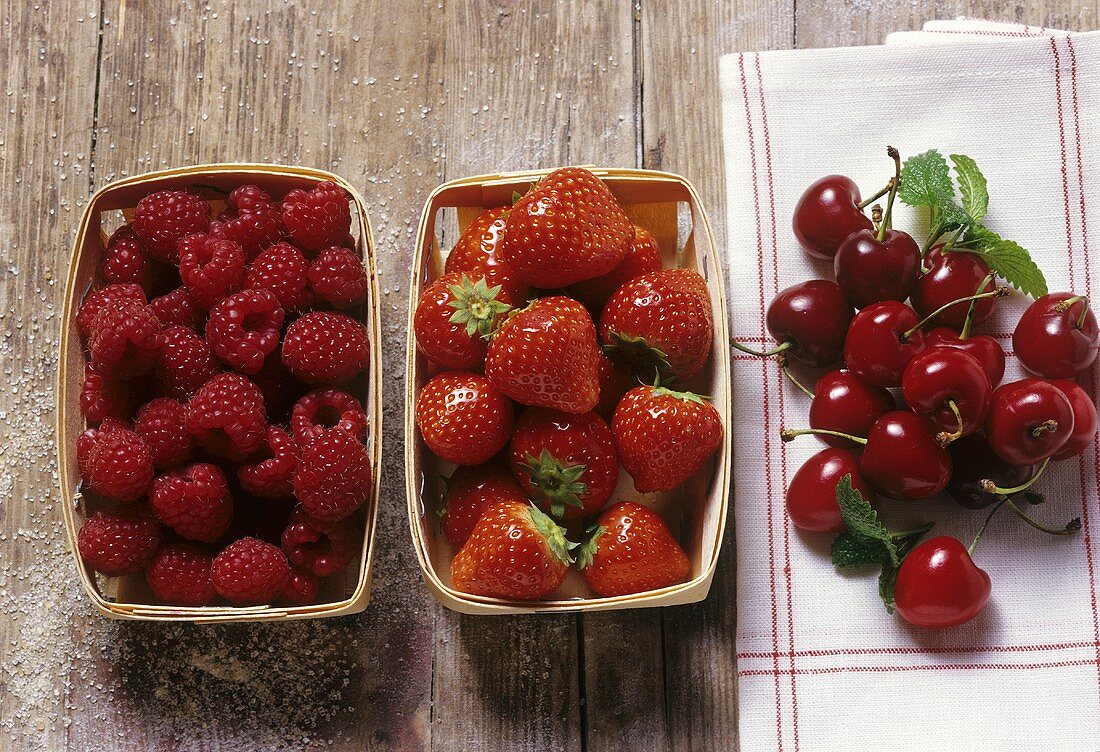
(566, 415)
(913, 399)
(219, 422)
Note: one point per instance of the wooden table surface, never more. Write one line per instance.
(397, 97)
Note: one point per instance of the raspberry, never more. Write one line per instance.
(251, 220)
(325, 408)
(185, 362)
(318, 218)
(326, 347)
(176, 307)
(97, 300)
(125, 339)
(87, 441)
(226, 416)
(250, 572)
(179, 574)
(301, 589)
(125, 260)
(282, 270)
(337, 276)
(334, 475)
(194, 501)
(118, 543)
(210, 268)
(271, 475)
(244, 329)
(102, 397)
(281, 390)
(164, 218)
(116, 463)
(161, 423)
(322, 548)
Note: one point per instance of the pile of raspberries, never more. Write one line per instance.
(227, 456)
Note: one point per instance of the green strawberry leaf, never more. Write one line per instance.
(926, 180)
(972, 186)
(588, 549)
(557, 483)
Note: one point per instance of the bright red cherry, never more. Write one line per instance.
(811, 495)
(846, 403)
(1057, 336)
(938, 585)
(1084, 420)
(809, 321)
(871, 267)
(949, 389)
(950, 276)
(881, 341)
(983, 348)
(902, 458)
(972, 461)
(826, 214)
(1029, 421)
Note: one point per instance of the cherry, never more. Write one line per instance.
(972, 461)
(809, 321)
(949, 389)
(844, 402)
(1057, 336)
(938, 584)
(953, 275)
(829, 211)
(1084, 419)
(881, 341)
(986, 350)
(811, 495)
(1029, 421)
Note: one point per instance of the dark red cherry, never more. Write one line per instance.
(951, 276)
(983, 348)
(813, 317)
(972, 461)
(949, 389)
(1084, 420)
(881, 341)
(902, 459)
(1057, 336)
(1029, 420)
(939, 585)
(870, 268)
(811, 495)
(846, 403)
(826, 214)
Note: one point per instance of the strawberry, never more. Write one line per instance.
(660, 324)
(546, 355)
(477, 253)
(462, 418)
(568, 463)
(664, 437)
(631, 550)
(514, 551)
(615, 381)
(470, 491)
(566, 229)
(643, 256)
(454, 318)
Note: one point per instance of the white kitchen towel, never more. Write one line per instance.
(821, 664)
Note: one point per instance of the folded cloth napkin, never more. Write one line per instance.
(821, 664)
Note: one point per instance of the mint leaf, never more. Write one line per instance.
(972, 186)
(926, 180)
(860, 517)
(953, 217)
(853, 551)
(1008, 260)
(887, 578)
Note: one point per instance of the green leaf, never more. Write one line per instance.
(972, 186)
(853, 551)
(1009, 261)
(861, 519)
(556, 482)
(952, 216)
(926, 180)
(886, 581)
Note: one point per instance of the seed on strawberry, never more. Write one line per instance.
(642, 257)
(462, 418)
(454, 318)
(317, 218)
(477, 254)
(164, 218)
(631, 551)
(470, 491)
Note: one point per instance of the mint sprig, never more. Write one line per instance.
(972, 186)
(926, 180)
(1007, 259)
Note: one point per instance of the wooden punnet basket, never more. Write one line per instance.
(668, 206)
(129, 597)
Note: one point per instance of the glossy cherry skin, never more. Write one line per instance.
(870, 270)
(811, 495)
(1048, 342)
(1084, 419)
(875, 348)
(972, 461)
(986, 350)
(813, 316)
(1021, 407)
(940, 375)
(939, 585)
(902, 458)
(826, 214)
(950, 276)
(846, 403)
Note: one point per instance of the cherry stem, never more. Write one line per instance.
(1044, 427)
(785, 367)
(783, 346)
(872, 199)
(1068, 303)
(915, 531)
(944, 438)
(886, 219)
(1071, 527)
(990, 487)
(981, 530)
(965, 333)
(933, 235)
(788, 435)
(1000, 292)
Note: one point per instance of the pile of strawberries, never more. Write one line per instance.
(539, 406)
(227, 455)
